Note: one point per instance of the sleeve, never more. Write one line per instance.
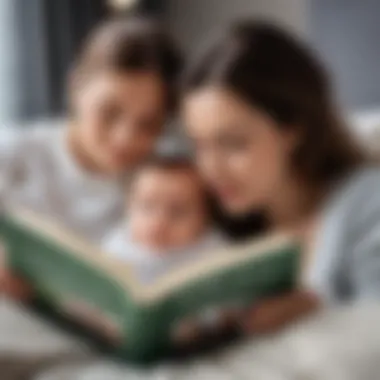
(12, 155)
(364, 240)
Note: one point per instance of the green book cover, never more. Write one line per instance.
(142, 321)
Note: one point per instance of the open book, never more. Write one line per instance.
(142, 321)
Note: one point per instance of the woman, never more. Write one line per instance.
(120, 94)
(268, 138)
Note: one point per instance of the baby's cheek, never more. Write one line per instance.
(188, 232)
(139, 229)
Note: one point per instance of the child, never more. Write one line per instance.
(168, 225)
(168, 221)
(121, 92)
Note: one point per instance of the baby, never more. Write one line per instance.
(167, 219)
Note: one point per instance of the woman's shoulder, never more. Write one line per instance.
(366, 184)
(366, 194)
(357, 196)
(362, 184)
(356, 202)
(350, 215)
(367, 175)
(360, 239)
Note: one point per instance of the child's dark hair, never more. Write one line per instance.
(130, 45)
(169, 163)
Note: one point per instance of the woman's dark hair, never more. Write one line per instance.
(272, 70)
(130, 45)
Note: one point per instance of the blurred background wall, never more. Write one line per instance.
(193, 21)
(345, 32)
(39, 38)
(38, 41)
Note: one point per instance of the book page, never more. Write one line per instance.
(216, 261)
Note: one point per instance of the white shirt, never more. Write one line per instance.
(346, 259)
(150, 265)
(38, 171)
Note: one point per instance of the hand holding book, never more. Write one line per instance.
(275, 313)
(10, 284)
(13, 286)
(270, 315)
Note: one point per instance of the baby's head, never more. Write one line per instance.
(167, 207)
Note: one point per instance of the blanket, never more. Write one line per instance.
(336, 344)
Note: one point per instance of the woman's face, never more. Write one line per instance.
(241, 153)
(119, 118)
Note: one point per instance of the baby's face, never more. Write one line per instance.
(167, 208)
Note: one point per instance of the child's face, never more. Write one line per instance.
(167, 208)
(118, 118)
